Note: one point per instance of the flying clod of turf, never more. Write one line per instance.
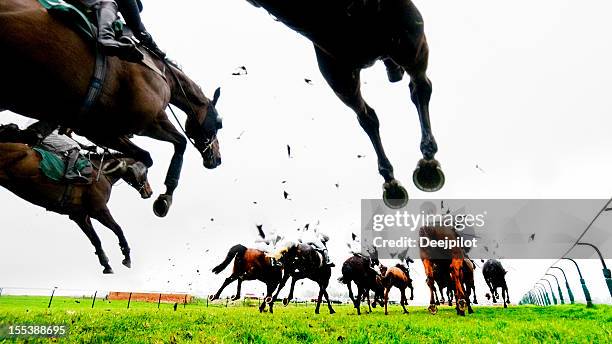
(145, 323)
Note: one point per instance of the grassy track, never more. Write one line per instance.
(144, 323)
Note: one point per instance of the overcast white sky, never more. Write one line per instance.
(521, 89)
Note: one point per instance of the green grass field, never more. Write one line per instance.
(144, 323)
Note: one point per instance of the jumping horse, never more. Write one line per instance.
(47, 74)
(249, 264)
(20, 174)
(350, 35)
(301, 261)
(397, 276)
(495, 276)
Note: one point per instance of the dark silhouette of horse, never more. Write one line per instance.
(359, 269)
(453, 258)
(495, 276)
(442, 278)
(249, 264)
(398, 276)
(45, 60)
(20, 174)
(349, 36)
(303, 261)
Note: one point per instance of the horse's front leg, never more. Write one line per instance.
(237, 296)
(281, 285)
(290, 296)
(165, 131)
(344, 80)
(412, 53)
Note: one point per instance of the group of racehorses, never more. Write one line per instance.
(301, 261)
(47, 70)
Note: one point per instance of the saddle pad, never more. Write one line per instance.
(71, 15)
(52, 166)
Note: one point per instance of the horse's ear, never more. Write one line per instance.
(216, 96)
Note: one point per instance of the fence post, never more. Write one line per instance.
(158, 300)
(129, 300)
(51, 299)
(206, 302)
(226, 301)
(94, 299)
(185, 302)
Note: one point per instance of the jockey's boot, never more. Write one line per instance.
(107, 15)
(145, 38)
(71, 175)
(395, 72)
(326, 258)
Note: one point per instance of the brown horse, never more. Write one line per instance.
(249, 264)
(399, 277)
(349, 36)
(359, 269)
(453, 258)
(46, 73)
(20, 174)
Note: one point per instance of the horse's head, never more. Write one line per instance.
(9, 133)
(202, 129)
(132, 172)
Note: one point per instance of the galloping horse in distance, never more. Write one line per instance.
(495, 276)
(20, 174)
(397, 276)
(351, 35)
(453, 258)
(360, 270)
(46, 73)
(249, 264)
(303, 261)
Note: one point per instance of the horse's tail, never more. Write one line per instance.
(235, 250)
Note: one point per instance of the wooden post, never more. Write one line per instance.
(51, 299)
(94, 299)
(158, 301)
(185, 302)
(129, 300)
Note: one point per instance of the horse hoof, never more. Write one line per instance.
(212, 297)
(433, 309)
(395, 196)
(162, 205)
(268, 300)
(316, 311)
(428, 176)
(461, 313)
(108, 270)
(127, 262)
(462, 305)
(235, 297)
(332, 312)
(286, 302)
(470, 310)
(505, 305)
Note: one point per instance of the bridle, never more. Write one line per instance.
(209, 142)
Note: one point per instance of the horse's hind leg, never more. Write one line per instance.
(227, 282)
(427, 265)
(84, 223)
(269, 291)
(105, 218)
(345, 82)
(238, 287)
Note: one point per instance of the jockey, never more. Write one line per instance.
(319, 241)
(48, 137)
(106, 13)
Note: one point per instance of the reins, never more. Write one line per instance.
(193, 112)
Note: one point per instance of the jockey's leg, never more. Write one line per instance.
(107, 15)
(131, 13)
(71, 174)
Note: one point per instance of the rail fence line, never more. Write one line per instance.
(538, 295)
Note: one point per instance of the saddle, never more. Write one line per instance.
(54, 167)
